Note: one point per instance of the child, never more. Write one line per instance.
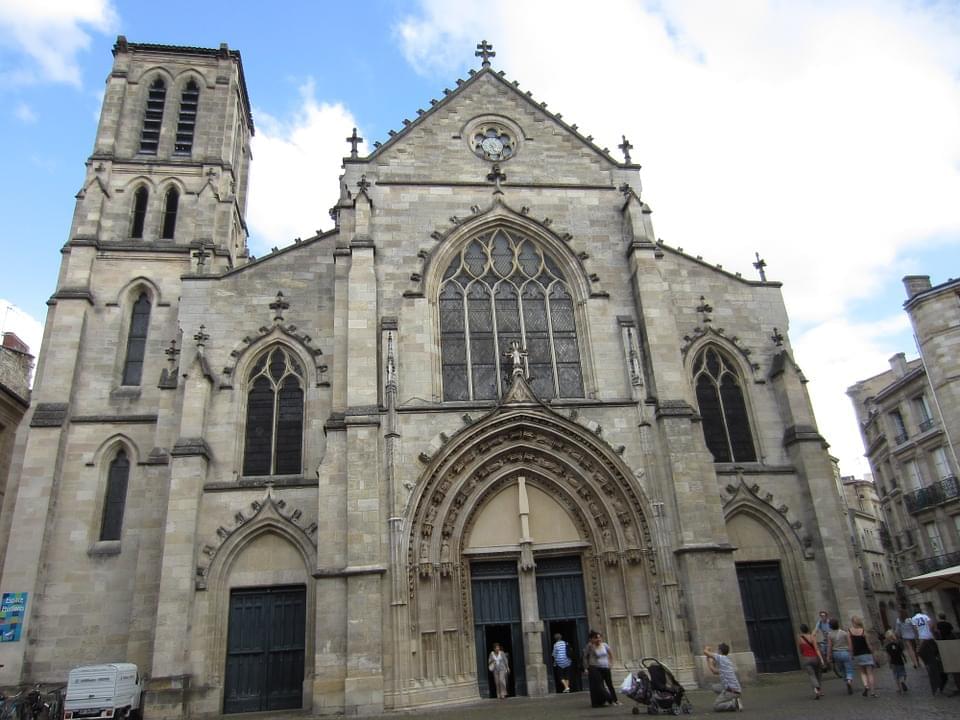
(728, 691)
(897, 662)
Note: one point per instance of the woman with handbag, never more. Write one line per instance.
(810, 658)
(499, 665)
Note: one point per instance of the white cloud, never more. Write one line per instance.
(293, 180)
(26, 327)
(24, 113)
(44, 37)
(824, 135)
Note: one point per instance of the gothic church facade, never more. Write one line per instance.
(487, 406)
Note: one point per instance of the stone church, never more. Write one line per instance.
(488, 406)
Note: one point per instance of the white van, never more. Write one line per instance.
(113, 690)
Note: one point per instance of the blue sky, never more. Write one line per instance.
(825, 135)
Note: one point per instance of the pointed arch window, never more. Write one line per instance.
(153, 117)
(273, 443)
(115, 498)
(171, 203)
(500, 288)
(187, 119)
(140, 198)
(137, 341)
(726, 425)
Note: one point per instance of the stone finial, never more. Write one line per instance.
(760, 264)
(201, 254)
(626, 147)
(278, 306)
(704, 308)
(363, 183)
(777, 337)
(354, 140)
(172, 352)
(496, 176)
(485, 52)
(201, 337)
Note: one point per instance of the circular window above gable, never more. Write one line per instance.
(493, 140)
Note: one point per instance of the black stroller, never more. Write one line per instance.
(655, 686)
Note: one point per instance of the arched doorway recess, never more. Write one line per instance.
(526, 456)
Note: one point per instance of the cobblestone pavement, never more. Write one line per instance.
(784, 697)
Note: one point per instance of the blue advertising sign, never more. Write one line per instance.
(13, 607)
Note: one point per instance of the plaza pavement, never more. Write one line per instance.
(785, 696)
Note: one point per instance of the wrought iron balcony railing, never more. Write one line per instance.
(938, 562)
(885, 541)
(934, 494)
(926, 424)
(900, 438)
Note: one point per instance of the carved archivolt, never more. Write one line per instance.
(557, 455)
(269, 511)
(741, 498)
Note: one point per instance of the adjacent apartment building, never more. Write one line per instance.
(910, 421)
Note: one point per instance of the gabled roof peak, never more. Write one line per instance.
(485, 52)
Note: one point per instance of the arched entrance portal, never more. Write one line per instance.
(528, 505)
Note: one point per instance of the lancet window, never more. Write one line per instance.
(171, 204)
(502, 287)
(726, 425)
(115, 497)
(187, 119)
(153, 117)
(274, 430)
(137, 341)
(140, 198)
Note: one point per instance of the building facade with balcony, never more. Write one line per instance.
(873, 546)
(909, 418)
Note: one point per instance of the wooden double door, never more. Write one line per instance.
(265, 649)
(767, 616)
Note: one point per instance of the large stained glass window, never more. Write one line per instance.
(274, 430)
(501, 288)
(726, 426)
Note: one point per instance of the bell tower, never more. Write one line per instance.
(163, 198)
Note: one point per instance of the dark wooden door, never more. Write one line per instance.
(265, 647)
(496, 618)
(563, 609)
(768, 617)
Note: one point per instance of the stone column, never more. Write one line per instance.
(169, 685)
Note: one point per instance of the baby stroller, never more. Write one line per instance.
(656, 687)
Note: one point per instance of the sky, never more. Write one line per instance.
(823, 135)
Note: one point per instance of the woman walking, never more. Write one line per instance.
(499, 665)
(811, 658)
(597, 656)
(838, 647)
(862, 655)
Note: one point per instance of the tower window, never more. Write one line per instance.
(137, 341)
(115, 498)
(140, 198)
(274, 432)
(170, 205)
(726, 427)
(187, 119)
(153, 118)
(502, 288)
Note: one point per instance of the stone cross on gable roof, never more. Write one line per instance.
(626, 147)
(354, 140)
(760, 264)
(485, 51)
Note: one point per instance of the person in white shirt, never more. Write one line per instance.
(928, 650)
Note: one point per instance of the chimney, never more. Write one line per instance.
(898, 363)
(12, 342)
(916, 284)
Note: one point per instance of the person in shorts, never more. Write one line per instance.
(562, 661)
(907, 633)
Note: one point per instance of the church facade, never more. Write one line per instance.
(488, 406)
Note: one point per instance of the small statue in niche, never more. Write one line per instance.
(445, 551)
(425, 550)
